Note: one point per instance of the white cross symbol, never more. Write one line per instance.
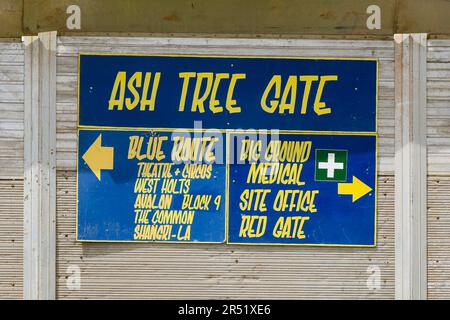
(331, 165)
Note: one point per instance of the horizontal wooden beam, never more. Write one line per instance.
(287, 18)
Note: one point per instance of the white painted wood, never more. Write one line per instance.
(438, 151)
(40, 167)
(11, 109)
(11, 167)
(438, 107)
(410, 166)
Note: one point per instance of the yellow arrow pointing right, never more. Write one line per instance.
(99, 158)
(356, 188)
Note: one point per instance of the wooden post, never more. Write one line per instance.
(40, 166)
(410, 166)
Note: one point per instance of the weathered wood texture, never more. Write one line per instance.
(11, 168)
(410, 166)
(11, 109)
(233, 17)
(11, 14)
(40, 166)
(438, 140)
(438, 107)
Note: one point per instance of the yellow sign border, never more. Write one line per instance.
(227, 188)
(227, 132)
(219, 56)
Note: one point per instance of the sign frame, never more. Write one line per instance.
(340, 133)
(227, 133)
(224, 241)
(376, 60)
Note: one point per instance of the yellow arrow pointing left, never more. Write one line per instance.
(99, 158)
(356, 188)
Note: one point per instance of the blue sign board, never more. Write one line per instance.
(320, 190)
(129, 189)
(243, 150)
(228, 92)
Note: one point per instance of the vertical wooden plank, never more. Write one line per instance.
(438, 139)
(11, 109)
(30, 198)
(410, 166)
(40, 166)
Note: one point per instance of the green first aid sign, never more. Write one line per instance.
(331, 165)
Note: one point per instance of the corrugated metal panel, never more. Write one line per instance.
(11, 168)
(438, 144)
(11, 236)
(438, 106)
(219, 271)
(438, 237)
(11, 109)
(132, 270)
(69, 47)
